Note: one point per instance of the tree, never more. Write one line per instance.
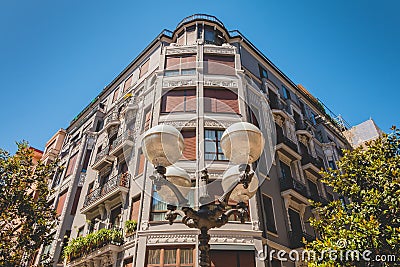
(26, 218)
(369, 222)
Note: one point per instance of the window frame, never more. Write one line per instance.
(164, 104)
(177, 256)
(275, 230)
(216, 141)
(179, 71)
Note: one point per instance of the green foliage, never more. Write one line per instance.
(26, 218)
(370, 178)
(130, 226)
(84, 245)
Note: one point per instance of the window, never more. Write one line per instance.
(285, 170)
(313, 190)
(144, 68)
(332, 164)
(269, 211)
(286, 93)
(263, 72)
(147, 118)
(115, 216)
(86, 160)
(220, 100)
(115, 96)
(253, 117)
(220, 65)
(71, 165)
(170, 256)
(191, 35)
(179, 101)
(140, 165)
(76, 200)
(90, 188)
(295, 223)
(99, 125)
(135, 207)
(180, 65)
(60, 203)
(158, 208)
(212, 148)
(81, 231)
(312, 118)
(127, 83)
(189, 137)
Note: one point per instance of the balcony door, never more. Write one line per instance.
(295, 222)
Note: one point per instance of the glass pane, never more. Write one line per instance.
(219, 134)
(158, 217)
(221, 157)
(186, 256)
(210, 147)
(189, 72)
(169, 256)
(154, 256)
(171, 73)
(210, 135)
(210, 156)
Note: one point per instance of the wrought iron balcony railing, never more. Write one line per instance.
(296, 239)
(281, 138)
(127, 135)
(287, 183)
(120, 180)
(103, 153)
(307, 158)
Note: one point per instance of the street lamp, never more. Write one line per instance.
(242, 143)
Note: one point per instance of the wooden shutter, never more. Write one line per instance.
(135, 209)
(220, 100)
(71, 165)
(209, 100)
(172, 62)
(190, 100)
(60, 204)
(115, 96)
(128, 83)
(222, 65)
(144, 68)
(147, 120)
(189, 153)
(140, 167)
(173, 101)
(191, 36)
(188, 62)
(76, 200)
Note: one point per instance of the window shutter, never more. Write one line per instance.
(60, 204)
(128, 83)
(115, 96)
(144, 68)
(190, 145)
(173, 101)
(135, 209)
(172, 63)
(220, 100)
(190, 100)
(188, 62)
(147, 120)
(71, 165)
(222, 65)
(76, 200)
(140, 164)
(190, 37)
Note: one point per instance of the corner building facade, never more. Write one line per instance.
(200, 78)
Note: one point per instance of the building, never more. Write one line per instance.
(362, 133)
(200, 78)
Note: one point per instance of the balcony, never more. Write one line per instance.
(287, 146)
(99, 248)
(124, 142)
(296, 239)
(291, 184)
(103, 159)
(114, 189)
(279, 107)
(311, 164)
(318, 198)
(111, 120)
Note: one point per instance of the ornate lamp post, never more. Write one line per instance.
(242, 143)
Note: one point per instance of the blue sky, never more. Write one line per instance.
(56, 56)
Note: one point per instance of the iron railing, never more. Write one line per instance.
(127, 135)
(296, 239)
(287, 183)
(120, 180)
(102, 154)
(200, 17)
(281, 138)
(307, 158)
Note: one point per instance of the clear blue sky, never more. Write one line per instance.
(56, 56)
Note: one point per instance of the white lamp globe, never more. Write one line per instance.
(163, 145)
(181, 179)
(242, 143)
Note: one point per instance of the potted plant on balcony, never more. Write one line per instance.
(130, 227)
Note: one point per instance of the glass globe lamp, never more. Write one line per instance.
(231, 179)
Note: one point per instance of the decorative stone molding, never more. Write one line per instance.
(303, 139)
(181, 50)
(218, 124)
(173, 238)
(219, 50)
(180, 124)
(144, 225)
(178, 83)
(278, 119)
(255, 225)
(221, 83)
(241, 239)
